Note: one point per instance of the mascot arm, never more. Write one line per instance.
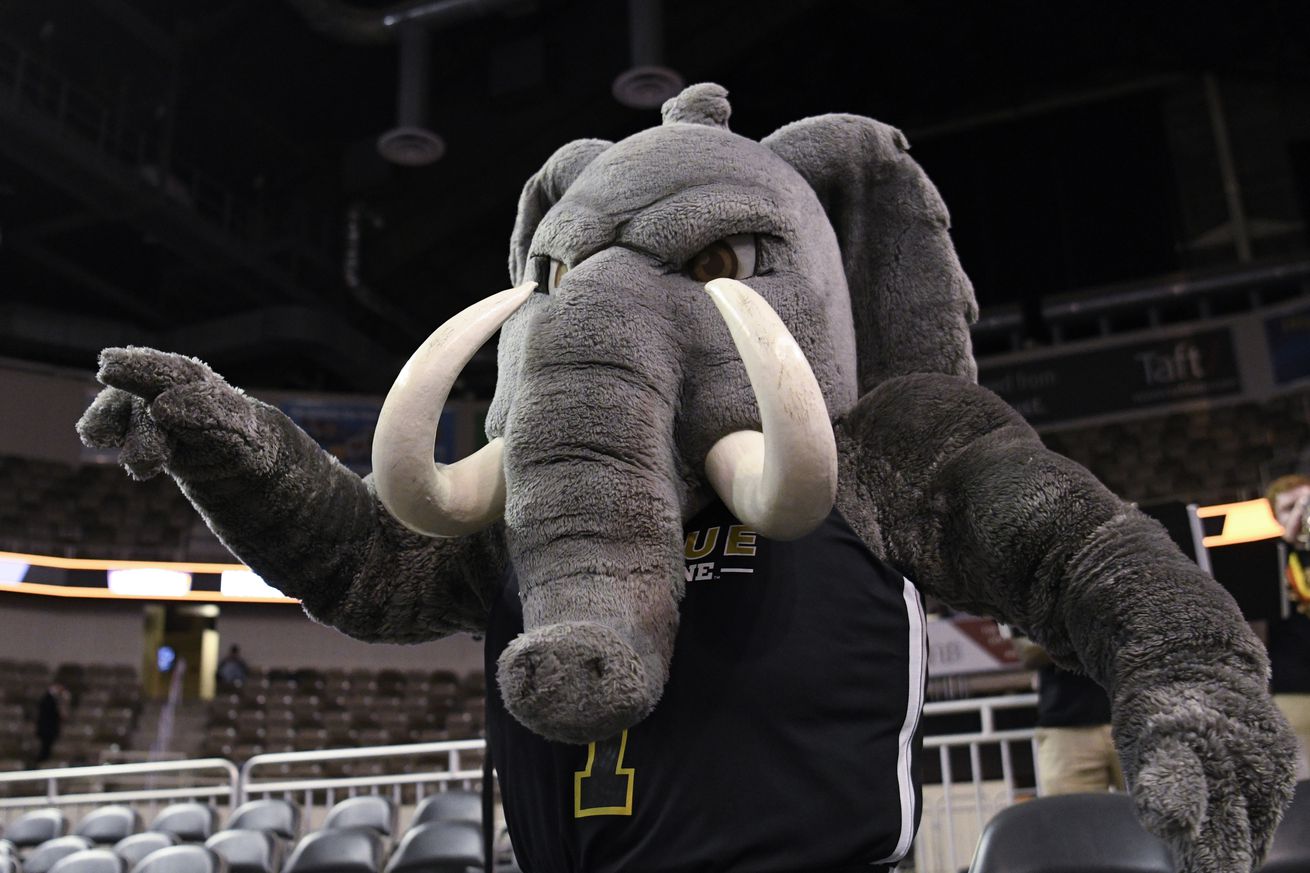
(966, 500)
(309, 526)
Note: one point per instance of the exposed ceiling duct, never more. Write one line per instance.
(410, 143)
(345, 22)
(647, 83)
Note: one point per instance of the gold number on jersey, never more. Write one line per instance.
(604, 786)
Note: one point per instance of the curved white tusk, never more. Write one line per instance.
(439, 499)
(781, 482)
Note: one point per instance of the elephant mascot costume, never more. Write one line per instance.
(736, 432)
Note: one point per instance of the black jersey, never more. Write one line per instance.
(787, 738)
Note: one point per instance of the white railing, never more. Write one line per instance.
(307, 790)
(213, 779)
(955, 812)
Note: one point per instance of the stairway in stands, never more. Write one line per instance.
(188, 728)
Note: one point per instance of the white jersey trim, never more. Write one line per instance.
(918, 651)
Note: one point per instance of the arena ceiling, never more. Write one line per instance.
(182, 172)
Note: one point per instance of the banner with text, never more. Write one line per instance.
(1125, 377)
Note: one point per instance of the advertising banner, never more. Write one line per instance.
(1126, 377)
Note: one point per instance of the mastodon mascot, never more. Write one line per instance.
(736, 433)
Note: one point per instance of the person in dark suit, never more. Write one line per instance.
(49, 718)
(1075, 752)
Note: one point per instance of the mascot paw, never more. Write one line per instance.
(170, 412)
(575, 682)
(1213, 772)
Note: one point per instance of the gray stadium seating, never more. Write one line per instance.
(181, 859)
(247, 851)
(190, 822)
(107, 825)
(37, 826)
(460, 805)
(1290, 850)
(341, 850)
(439, 847)
(90, 861)
(132, 849)
(1086, 833)
(369, 811)
(44, 856)
(274, 815)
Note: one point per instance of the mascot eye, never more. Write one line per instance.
(555, 274)
(730, 258)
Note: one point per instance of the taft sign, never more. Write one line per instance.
(1066, 385)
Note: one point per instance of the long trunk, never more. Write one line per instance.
(593, 518)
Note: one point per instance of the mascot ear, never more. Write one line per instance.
(911, 301)
(542, 192)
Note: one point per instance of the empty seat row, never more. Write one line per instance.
(444, 834)
(72, 855)
(192, 822)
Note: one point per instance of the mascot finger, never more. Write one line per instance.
(105, 423)
(148, 373)
(145, 450)
(1170, 791)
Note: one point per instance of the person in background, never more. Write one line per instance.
(1288, 639)
(232, 670)
(50, 718)
(1075, 753)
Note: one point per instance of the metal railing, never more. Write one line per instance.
(956, 811)
(310, 790)
(155, 782)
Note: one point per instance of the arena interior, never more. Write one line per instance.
(297, 192)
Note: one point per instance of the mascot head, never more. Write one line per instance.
(628, 397)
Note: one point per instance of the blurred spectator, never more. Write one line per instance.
(1288, 639)
(232, 670)
(1075, 753)
(50, 718)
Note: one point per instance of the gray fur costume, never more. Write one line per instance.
(614, 386)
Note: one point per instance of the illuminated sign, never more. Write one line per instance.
(149, 582)
(139, 580)
(1244, 522)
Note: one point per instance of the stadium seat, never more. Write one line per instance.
(181, 859)
(369, 811)
(1086, 833)
(44, 856)
(274, 815)
(106, 825)
(190, 822)
(90, 861)
(439, 847)
(247, 851)
(37, 826)
(449, 806)
(132, 849)
(1290, 850)
(342, 850)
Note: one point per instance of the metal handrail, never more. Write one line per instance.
(436, 747)
(941, 825)
(311, 785)
(53, 776)
(979, 704)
